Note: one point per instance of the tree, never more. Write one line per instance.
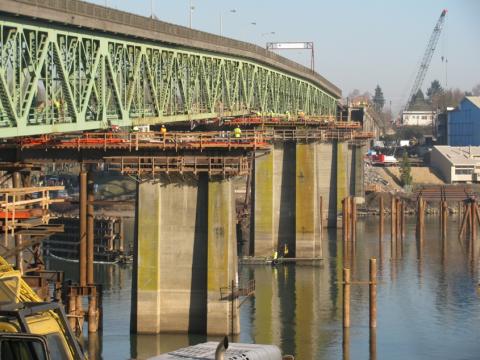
(476, 90)
(418, 97)
(450, 98)
(405, 171)
(434, 90)
(378, 99)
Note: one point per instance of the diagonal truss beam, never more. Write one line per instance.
(49, 82)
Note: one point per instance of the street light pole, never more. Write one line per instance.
(190, 9)
(221, 24)
(233, 11)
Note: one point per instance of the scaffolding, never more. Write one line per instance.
(151, 165)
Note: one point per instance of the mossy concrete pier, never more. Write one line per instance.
(297, 190)
(185, 255)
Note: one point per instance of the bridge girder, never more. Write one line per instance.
(54, 80)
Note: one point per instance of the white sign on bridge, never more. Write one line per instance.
(294, 46)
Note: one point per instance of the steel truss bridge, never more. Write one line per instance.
(64, 67)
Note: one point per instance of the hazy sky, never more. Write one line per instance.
(358, 43)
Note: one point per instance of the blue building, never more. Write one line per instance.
(464, 123)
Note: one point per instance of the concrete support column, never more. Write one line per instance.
(273, 194)
(307, 217)
(222, 314)
(262, 203)
(286, 202)
(185, 253)
(146, 282)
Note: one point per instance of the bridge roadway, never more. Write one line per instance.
(67, 65)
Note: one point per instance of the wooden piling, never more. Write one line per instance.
(346, 344)
(421, 219)
(473, 222)
(346, 297)
(464, 222)
(93, 310)
(79, 307)
(393, 226)
(444, 218)
(344, 230)
(398, 231)
(460, 212)
(380, 228)
(72, 307)
(373, 292)
(347, 218)
(353, 207)
(373, 344)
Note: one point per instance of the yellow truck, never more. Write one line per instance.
(30, 328)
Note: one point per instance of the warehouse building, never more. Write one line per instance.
(464, 123)
(457, 164)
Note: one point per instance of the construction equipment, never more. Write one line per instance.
(30, 328)
(427, 57)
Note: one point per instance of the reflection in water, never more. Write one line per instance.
(427, 303)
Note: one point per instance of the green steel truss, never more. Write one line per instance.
(54, 80)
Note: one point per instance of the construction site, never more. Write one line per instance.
(169, 193)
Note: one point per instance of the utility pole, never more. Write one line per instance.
(190, 9)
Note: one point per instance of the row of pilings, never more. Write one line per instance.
(468, 221)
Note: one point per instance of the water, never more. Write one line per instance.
(427, 309)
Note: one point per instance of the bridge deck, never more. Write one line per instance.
(64, 67)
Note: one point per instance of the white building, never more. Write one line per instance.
(419, 113)
(418, 117)
(459, 164)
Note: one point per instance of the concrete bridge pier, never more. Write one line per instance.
(286, 202)
(185, 257)
(298, 189)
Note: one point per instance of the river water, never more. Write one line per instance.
(428, 305)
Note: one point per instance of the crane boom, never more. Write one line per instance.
(427, 57)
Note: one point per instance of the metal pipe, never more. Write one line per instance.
(83, 229)
(17, 183)
(221, 348)
(90, 227)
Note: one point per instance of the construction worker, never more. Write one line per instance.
(285, 250)
(163, 130)
(237, 132)
(56, 105)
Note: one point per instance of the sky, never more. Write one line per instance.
(358, 43)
